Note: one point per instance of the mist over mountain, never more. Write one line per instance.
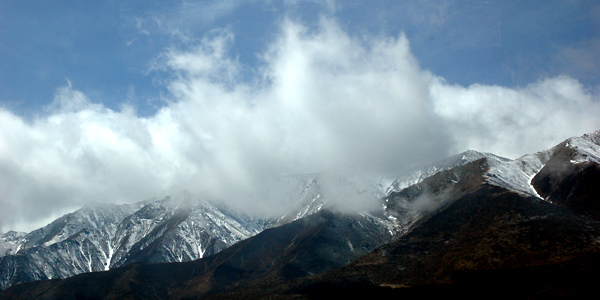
(318, 96)
(433, 230)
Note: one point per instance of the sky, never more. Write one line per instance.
(123, 101)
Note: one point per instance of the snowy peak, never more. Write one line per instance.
(585, 148)
(418, 174)
(90, 217)
(99, 237)
(11, 242)
(571, 174)
(516, 174)
(179, 229)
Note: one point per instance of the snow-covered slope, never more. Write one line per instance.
(314, 191)
(11, 242)
(517, 174)
(99, 237)
(417, 174)
(181, 230)
(587, 147)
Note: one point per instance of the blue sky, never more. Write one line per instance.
(121, 101)
(105, 48)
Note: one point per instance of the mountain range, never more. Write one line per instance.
(474, 224)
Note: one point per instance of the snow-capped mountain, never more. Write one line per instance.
(315, 190)
(99, 237)
(523, 228)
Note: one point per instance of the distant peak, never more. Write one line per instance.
(94, 205)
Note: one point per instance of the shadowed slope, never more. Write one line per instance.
(483, 241)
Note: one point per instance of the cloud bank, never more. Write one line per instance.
(320, 99)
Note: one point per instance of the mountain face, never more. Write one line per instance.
(523, 228)
(99, 237)
(315, 244)
(11, 242)
(482, 227)
(571, 176)
(488, 231)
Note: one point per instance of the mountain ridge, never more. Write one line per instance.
(134, 232)
(470, 186)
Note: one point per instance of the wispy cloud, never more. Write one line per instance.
(177, 19)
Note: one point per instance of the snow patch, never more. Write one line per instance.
(350, 246)
(109, 258)
(533, 188)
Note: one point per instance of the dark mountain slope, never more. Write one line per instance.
(483, 241)
(135, 281)
(569, 181)
(488, 229)
(315, 244)
(488, 244)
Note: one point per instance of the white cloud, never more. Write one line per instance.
(321, 99)
(512, 122)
